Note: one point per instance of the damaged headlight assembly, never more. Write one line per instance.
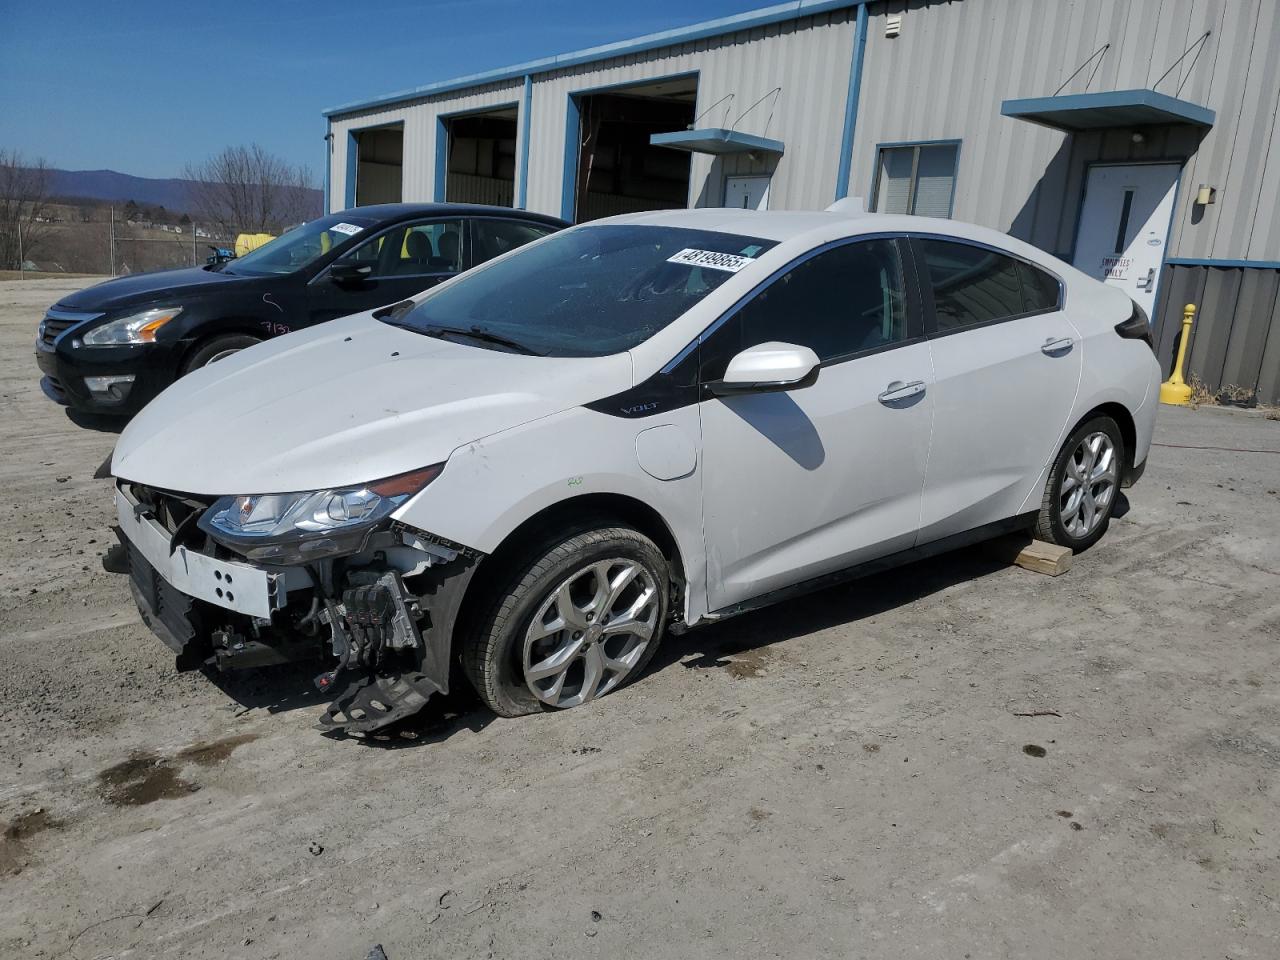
(297, 528)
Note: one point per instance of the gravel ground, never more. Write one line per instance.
(852, 774)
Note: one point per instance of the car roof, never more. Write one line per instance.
(825, 225)
(391, 212)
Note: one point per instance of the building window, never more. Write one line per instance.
(918, 179)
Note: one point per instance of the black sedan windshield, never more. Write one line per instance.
(587, 292)
(300, 246)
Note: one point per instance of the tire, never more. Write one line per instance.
(1079, 519)
(215, 349)
(520, 628)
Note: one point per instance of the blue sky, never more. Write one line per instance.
(144, 87)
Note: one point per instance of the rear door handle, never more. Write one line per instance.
(1055, 345)
(901, 391)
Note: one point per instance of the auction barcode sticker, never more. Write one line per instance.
(350, 229)
(710, 258)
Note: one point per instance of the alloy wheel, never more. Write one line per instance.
(590, 632)
(1089, 482)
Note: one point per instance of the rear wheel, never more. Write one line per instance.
(577, 618)
(217, 348)
(1083, 485)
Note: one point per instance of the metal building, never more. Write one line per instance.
(1137, 139)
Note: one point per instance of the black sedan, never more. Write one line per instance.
(111, 348)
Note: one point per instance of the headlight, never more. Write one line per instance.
(299, 527)
(139, 327)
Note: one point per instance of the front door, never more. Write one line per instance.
(806, 482)
(747, 193)
(405, 259)
(1124, 224)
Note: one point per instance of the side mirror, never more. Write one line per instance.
(769, 368)
(348, 271)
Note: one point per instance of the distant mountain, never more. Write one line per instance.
(172, 194)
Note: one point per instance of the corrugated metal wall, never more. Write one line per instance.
(808, 58)
(1235, 340)
(419, 121)
(957, 60)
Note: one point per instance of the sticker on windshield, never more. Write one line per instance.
(710, 258)
(350, 229)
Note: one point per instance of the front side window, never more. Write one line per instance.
(971, 285)
(919, 180)
(587, 292)
(414, 249)
(301, 246)
(844, 301)
(493, 238)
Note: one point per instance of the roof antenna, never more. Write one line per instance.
(850, 207)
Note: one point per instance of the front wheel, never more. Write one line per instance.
(1083, 485)
(217, 348)
(578, 618)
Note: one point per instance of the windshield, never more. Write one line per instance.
(587, 292)
(300, 246)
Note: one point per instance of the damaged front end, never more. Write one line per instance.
(240, 582)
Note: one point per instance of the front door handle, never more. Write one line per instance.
(901, 391)
(1057, 345)
(1148, 281)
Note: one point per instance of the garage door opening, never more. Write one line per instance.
(619, 170)
(482, 157)
(379, 165)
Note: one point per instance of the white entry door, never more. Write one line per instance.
(747, 193)
(1124, 224)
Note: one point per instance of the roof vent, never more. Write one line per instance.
(850, 207)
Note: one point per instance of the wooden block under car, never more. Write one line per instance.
(1031, 554)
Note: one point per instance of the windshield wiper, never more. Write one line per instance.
(485, 336)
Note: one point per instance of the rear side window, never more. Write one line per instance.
(841, 302)
(492, 238)
(971, 285)
(1040, 291)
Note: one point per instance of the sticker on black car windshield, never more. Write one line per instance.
(350, 229)
(710, 258)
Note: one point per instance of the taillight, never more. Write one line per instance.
(1137, 327)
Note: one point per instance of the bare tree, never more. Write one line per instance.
(24, 207)
(247, 189)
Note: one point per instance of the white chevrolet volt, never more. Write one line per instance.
(535, 470)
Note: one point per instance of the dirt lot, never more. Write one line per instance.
(852, 774)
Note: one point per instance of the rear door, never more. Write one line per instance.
(405, 259)
(810, 481)
(1007, 364)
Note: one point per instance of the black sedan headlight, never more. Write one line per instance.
(293, 528)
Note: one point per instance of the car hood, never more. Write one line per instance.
(142, 288)
(344, 403)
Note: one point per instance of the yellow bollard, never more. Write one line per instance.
(1175, 390)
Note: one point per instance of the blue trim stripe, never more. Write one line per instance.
(442, 159)
(526, 109)
(569, 185)
(353, 153)
(778, 13)
(1210, 262)
(851, 104)
(328, 163)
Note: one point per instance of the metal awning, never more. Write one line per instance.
(716, 140)
(1111, 108)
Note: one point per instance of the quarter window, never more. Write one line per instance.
(1040, 291)
(918, 180)
(971, 285)
(845, 301)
